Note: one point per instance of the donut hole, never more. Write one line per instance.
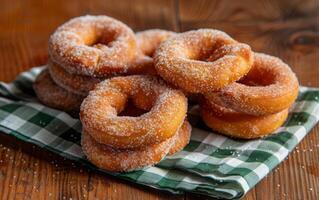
(208, 53)
(103, 39)
(131, 110)
(258, 77)
(232, 49)
(150, 53)
(205, 48)
(130, 98)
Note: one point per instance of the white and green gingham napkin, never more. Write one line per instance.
(211, 164)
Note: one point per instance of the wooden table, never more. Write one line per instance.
(288, 29)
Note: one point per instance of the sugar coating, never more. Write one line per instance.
(166, 110)
(114, 159)
(240, 125)
(269, 87)
(183, 60)
(54, 96)
(78, 84)
(93, 46)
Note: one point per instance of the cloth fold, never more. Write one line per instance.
(212, 164)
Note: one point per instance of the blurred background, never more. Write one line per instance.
(285, 28)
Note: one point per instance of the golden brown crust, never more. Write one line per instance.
(54, 96)
(186, 60)
(166, 111)
(240, 125)
(78, 84)
(269, 87)
(94, 46)
(112, 159)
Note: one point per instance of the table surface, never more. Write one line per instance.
(287, 29)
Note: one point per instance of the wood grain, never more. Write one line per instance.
(288, 29)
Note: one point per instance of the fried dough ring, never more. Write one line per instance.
(182, 60)
(54, 96)
(94, 46)
(166, 111)
(78, 84)
(240, 125)
(111, 159)
(277, 88)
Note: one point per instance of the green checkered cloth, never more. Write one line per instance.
(212, 164)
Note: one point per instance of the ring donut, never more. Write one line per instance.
(54, 96)
(166, 111)
(269, 87)
(112, 159)
(149, 40)
(240, 125)
(94, 46)
(78, 84)
(182, 60)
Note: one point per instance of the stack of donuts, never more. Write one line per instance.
(243, 94)
(131, 90)
(86, 50)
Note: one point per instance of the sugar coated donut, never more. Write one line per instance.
(54, 96)
(111, 159)
(149, 40)
(94, 46)
(182, 60)
(166, 111)
(269, 87)
(78, 84)
(240, 125)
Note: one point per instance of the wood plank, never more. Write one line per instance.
(30, 172)
(112, 188)
(250, 196)
(246, 11)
